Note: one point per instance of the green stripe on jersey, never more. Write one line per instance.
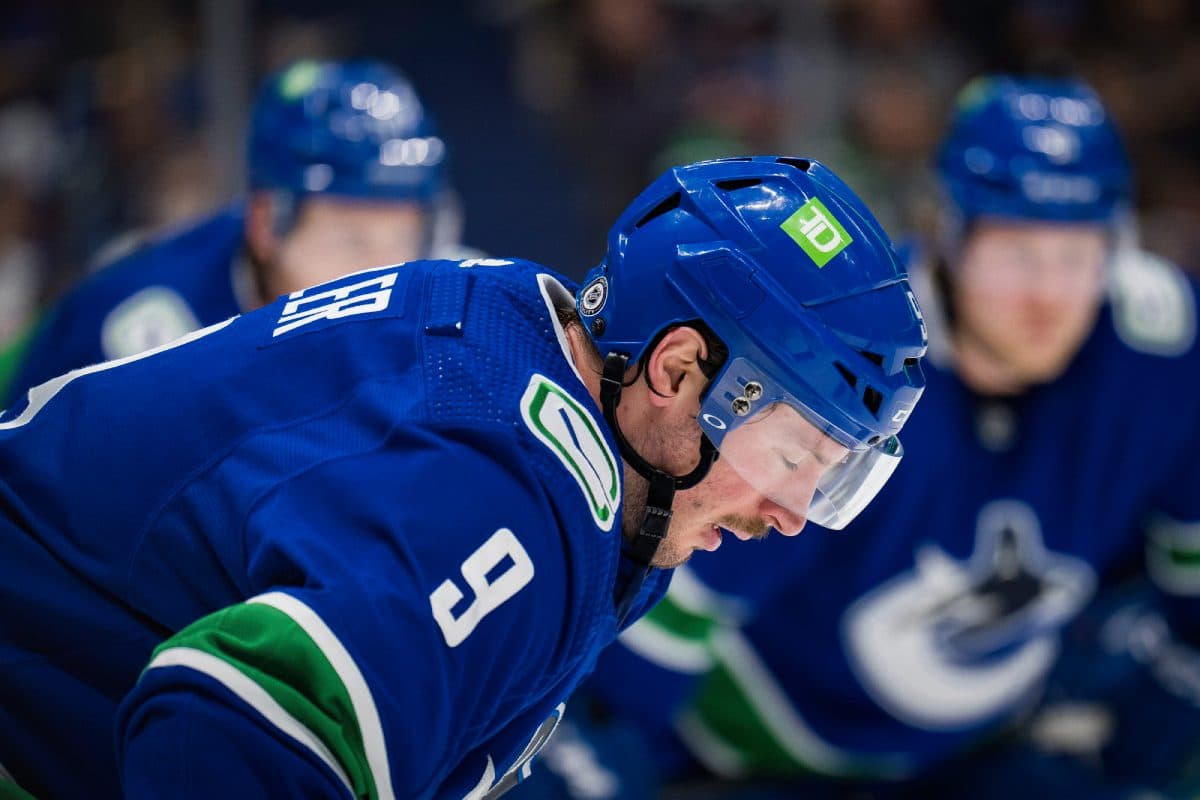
(1173, 555)
(743, 723)
(677, 633)
(740, 721)
(679, 622)
(10, 791)
(12, 355)
(291, 681)
(724, 712)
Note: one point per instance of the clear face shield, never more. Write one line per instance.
(787, 454)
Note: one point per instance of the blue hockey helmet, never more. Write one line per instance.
(783, 262)
(1033, 149)
(355, 129)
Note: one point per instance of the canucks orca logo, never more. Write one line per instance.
(955, 644)
(521, 768)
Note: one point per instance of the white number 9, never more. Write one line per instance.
(489, 595)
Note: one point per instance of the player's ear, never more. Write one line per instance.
(673, 368)
(260, 228)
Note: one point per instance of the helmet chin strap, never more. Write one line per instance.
(663, 485)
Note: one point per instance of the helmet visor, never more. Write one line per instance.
(847, 488)
(795, 464)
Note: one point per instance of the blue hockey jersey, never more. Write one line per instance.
(166, 288)
(935, 617)
(361, 542)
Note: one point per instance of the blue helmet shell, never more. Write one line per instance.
(355, 129)
(788, 267)
(1033, 149)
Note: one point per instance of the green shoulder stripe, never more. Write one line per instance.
(279, 657)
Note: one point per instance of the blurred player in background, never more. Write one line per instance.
(345, 171)
(366, 540)
(1057, 442)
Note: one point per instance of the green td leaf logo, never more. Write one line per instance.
(299, 78)
(817, 232)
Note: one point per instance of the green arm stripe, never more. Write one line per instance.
(741, 708)
(12, 356)
(677, 633)
(726, 715)
(351, 679)
(1173, 555)
(673, 637)
(253, 695)
(681, 622)
(10, 791)
(283, 647)
(740, 720)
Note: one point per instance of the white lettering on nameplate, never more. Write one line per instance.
(363, 297)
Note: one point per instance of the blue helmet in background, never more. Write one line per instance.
(1034, 149)
(355, 129)
(783, 262)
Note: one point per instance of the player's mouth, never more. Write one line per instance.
(740, 535)
(712, 538)
(744, 536)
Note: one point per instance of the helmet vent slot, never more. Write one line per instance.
(738, 183)
(911, 362)
(802, 164)
(874, 358)
(850, 377)
(670, 204)
(872, 399)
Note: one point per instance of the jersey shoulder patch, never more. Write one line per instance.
(570, 431)
(147, 319)
(1154, 307)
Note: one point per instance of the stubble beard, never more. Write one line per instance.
(637, 490)
(680, 442)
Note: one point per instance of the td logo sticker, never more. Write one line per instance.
(300, 78)
(817, 232)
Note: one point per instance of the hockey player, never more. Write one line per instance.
(365, 541)
(345, 171)
(1057, 439)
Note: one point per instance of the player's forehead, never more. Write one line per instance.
(345, 210)
(784, 427)
(1000, 231)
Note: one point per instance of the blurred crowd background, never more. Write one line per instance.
(122, 118)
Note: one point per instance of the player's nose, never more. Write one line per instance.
(783, 519)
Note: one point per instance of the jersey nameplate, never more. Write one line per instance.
(365, 296)
(572, 434)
